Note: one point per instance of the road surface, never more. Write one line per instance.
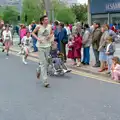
(72, 97)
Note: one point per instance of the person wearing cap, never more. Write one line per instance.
(96, 36)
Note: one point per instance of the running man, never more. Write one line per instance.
(44, 39)
(26, 44)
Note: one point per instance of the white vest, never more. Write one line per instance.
(42, 34)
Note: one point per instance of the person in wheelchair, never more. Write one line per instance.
(57, 61)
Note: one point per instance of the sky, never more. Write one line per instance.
(82, 1)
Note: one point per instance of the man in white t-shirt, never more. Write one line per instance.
(26, 44)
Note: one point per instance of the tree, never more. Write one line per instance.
(66, 15)
(62, 12)
(33, 9)
(10, 15)
(1, 11)
(80, 11)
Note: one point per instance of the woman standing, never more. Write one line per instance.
(63, 40)
(102, 47)
(7, 38)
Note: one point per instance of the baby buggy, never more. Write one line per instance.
(56, 66)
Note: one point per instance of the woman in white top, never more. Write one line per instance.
(7, 38)
(26, 42)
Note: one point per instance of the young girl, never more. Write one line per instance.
(26, 41)
(71, 48)
(7, 38)
(77, 48)
(116, 69)
(110, 50)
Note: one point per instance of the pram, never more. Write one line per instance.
(59, 70)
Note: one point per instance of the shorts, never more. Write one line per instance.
(26, 49)
(7, 44)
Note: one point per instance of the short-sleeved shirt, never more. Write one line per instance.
(26, 41)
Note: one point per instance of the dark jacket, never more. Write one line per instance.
(96, 36)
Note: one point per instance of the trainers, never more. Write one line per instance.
(66, 71)
(108, 73)
(78, 64)
(19, 53)
(38, 73)
(46, 85)
(55, 73)
(24, 61)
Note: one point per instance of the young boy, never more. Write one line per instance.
(58, 63)
(26, 42)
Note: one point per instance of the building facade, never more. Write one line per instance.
(16, 3)
(104, 11)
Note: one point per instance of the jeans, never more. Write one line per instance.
(96, 53)
(34, 44)
(109, 62)
(86, 55)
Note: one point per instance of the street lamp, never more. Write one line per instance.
(89, 14)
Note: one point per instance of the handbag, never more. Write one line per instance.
(65, 40)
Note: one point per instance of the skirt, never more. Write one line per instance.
(102, 56)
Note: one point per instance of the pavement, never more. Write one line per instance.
(88, 69)
(71, 97)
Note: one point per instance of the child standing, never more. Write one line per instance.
(71, 48)
(26, 42)
(110, 50)
(116, 69)
(77, 48)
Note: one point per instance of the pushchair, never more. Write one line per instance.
(57, 70)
